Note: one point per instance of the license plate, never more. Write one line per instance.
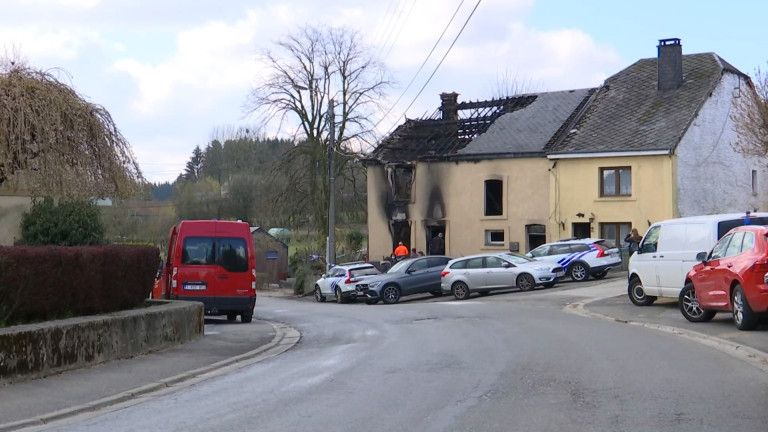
(194, 287)
(559, 274)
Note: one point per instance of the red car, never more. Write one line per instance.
(732, 277)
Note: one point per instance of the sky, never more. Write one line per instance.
(176, 73)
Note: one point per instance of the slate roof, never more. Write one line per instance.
(504, 127)
(530, 130)
(629, 114)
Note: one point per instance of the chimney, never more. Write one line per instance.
(449, 105)
(670, 64)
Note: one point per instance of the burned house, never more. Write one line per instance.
(475, 171)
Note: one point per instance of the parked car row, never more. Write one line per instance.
(480, 273)
(715, 263)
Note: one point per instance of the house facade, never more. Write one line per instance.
(654, 142)
(657, 142)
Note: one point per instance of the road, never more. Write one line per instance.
(510, 361)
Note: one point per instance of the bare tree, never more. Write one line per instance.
(53, 142)
(306, 70)
(751, 117)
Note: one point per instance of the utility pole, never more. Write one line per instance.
(331, 192)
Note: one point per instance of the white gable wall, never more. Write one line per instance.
(711, 176)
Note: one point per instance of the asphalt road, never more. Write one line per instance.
(509, 361)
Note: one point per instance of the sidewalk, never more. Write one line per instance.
(43, 400)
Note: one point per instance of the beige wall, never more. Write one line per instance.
(574, 188)
(453, 193)
(12, 207)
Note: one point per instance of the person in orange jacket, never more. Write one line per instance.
(401, 252)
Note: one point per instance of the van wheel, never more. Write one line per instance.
(231, 316)
(319, 295)
(525, 282)
(743, 316)
(246, 317)
(689, 305)
(579, 271)
(637, 293)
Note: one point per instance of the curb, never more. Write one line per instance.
(286, 337)
(751, 356)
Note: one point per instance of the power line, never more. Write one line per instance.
(388, 18)
(441, 61)
(422, 65)
(399, 31)
(397, 20)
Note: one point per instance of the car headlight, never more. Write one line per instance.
(374, 284)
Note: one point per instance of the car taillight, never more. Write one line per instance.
(760, 267)
(174, 284)
(349, 280)
(600, 251)
(254, 280)
(444, 273)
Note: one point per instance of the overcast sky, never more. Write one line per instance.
(172, 72)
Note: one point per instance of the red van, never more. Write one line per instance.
(212, 262)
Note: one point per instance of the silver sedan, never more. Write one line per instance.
(484, 273)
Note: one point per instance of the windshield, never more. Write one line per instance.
(400, 267)
(516, 258)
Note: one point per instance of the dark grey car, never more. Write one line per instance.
(410, 276)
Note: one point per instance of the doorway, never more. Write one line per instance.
(432, 231)
(401, 232)
(536, 235)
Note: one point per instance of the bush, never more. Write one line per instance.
(71, 223)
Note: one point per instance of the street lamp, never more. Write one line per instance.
(331, 245)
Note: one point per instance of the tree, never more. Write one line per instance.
(751, 117)
(194, 168)
(54, 142)
(306, 70)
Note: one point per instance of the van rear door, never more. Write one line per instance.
(232, 271)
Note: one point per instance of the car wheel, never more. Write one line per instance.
(579, 271)
(339, 298)
(637, 293)
(246, 317)
(390, 294)
(525, 282)
(743, 316)
(371, 301)
(231, 316)
(689, 305)
(600, 275)
(460, 291)
(436, 293)
(319, 295)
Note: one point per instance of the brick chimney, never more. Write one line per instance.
(670, 64)
(449, 105)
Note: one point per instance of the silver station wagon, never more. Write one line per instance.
(484, 273)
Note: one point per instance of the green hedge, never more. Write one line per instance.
(39, 283)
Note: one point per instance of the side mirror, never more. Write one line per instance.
(323, 276)
(506, 265)
(701, 256)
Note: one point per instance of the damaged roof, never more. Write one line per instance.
(630, 114)
(509, 126)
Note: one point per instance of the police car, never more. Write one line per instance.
(581, 258)
(340, 281)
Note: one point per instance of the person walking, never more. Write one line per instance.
(401, 251)
(633, 240)
(437, 245)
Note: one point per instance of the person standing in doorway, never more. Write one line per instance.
(633, 240)
(401, 251)
(437, 245)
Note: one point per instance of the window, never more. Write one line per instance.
(494, 237)
(418, 265)
(719, 250)
(401, 180)
(615, 181)
(651, 240)
(230, 253)
(494, 191)
(734, 247)
(615, 232)
(541, 251)
(494, 262)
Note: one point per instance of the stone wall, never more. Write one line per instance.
(36, 350)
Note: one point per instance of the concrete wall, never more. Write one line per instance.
(713, 177)
(12, 207)
(37, 350)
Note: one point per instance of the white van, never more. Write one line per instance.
(668, 251)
